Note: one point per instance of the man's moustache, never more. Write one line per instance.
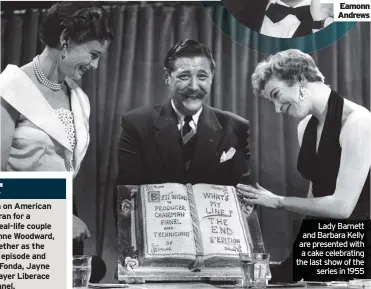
(193, 94)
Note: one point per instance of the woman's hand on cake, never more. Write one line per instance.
(80, 230)
(259, 196)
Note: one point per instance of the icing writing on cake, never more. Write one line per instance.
(219, 220)
(168, 225)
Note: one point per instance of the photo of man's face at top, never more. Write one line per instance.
(282, 18)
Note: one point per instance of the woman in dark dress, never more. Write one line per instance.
(335, 144)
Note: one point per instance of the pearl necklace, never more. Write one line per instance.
(42, 78)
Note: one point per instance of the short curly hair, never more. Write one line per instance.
(290, 65)
(84, 21)
(188, 48)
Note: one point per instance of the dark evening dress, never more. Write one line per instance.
(322, 168)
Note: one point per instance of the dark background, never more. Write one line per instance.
(130, 76)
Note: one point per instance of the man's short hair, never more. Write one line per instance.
(187, 48)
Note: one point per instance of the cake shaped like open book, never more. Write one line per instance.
(189, 226)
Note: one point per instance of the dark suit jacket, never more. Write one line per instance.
(251, 14)
(150, 148)
(78, 246)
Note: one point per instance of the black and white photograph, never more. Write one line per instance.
(195, 159)
(282, 18)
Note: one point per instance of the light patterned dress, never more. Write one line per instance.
(66, 118)
(42, 138)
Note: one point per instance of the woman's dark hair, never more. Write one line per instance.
(84, 21)
(187, 48)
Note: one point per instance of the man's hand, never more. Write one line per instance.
(321, 11)
(80, 230)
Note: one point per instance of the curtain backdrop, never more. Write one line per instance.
(130, 76)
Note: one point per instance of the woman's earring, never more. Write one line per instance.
(302, 95)
(64, 50)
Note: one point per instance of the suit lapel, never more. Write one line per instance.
(305, 27)
(259, 9)
(168, 141)
(209, 135)
(21, 93)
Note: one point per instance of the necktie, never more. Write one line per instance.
(187, 131)
(277, 12)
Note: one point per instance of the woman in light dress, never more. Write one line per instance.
(44, 113)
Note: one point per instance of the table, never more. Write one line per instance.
(199, 285)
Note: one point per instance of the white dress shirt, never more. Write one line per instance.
(284, 28)
(193, 123)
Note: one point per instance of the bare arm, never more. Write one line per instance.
(9, 118)
(355, 164)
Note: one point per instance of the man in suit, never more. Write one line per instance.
(282, 18)
(184, 140)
